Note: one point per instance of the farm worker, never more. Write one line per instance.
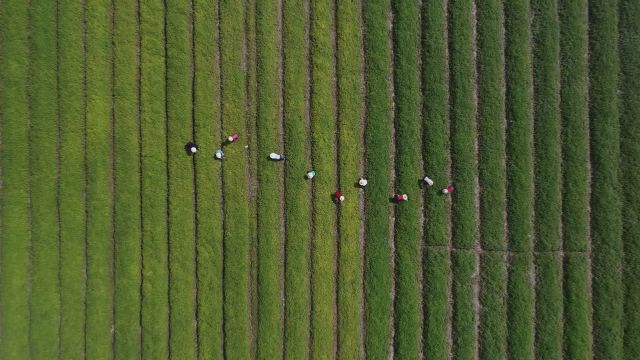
(362, 182)
(192, 148)
(233, 137)
(219, 154)
(311, 174)
(448, 190)
(400, 197)
(338, 196)
(427, 181)
(276, 157)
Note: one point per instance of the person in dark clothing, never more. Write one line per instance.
(191, 148)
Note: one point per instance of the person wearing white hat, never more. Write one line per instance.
(191, 148)
(219, 154)
(362, 182)
(427, 181)
(276, 157)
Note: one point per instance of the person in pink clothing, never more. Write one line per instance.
(400, 197)
(233, 138)
(448, 190)
(338, 197)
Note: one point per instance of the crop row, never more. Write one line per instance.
(378, 257)
(491, 131)
(630, 148)
(605, 183)
(127, 221)
(349, 75)
(436, 119)
(407, 227)
(44, 295)
(463, 128)
(493, 317)
(269, 334)
(99, 167)
(236, 214)
(323, 146)
(297, 208)
(14, 252)
(464, 326)
(72, 178)
(575, 176)
(520, 310)
(209, 228)
(155, 306)
(548, 177)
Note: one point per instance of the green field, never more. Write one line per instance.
(117, 243)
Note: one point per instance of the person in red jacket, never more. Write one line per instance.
(400, 197)
(338, 197)
(448, 190)
(233, 137)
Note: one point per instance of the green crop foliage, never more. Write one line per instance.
(463, 124)
(155, 306)
(348, 68)
(71, 107)
(493, 317)
(323, 149)
(630, 148)
(548, 176)
(464, 321)
(181, 181)
(297, 208)
(407, 227)
(491, 122)
(436, 119)
(378, 273)
(606, 220)
(14, 248)
(577, 338)
(99, 148)
(520, 338)
(127, 231)
(437, 268)
(44, 301)
(549, 315)
(236, 202)
(575, 127)
(520, 125)
(269, 325)
(208, 182)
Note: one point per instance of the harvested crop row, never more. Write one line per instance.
(181, 185)
(44, 301)
(548, 176)
(378, 269)
(630, 148)
(577, 308)
(437, 315)
(436, 119)
(575, 128)
(520, 307)
(208, 182)
(464, 324)
(14, 252)
(520, 126)
(155, 306)
(235, 189)
(606, 221)
(549, 314)
(99, 155)
(269, 307)
(348, 68)
(491, 131)
(407, 227)
(463, 127)
(493, 318)
(72, 178)
(127, 231)
(323, 145)
(297, 209)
